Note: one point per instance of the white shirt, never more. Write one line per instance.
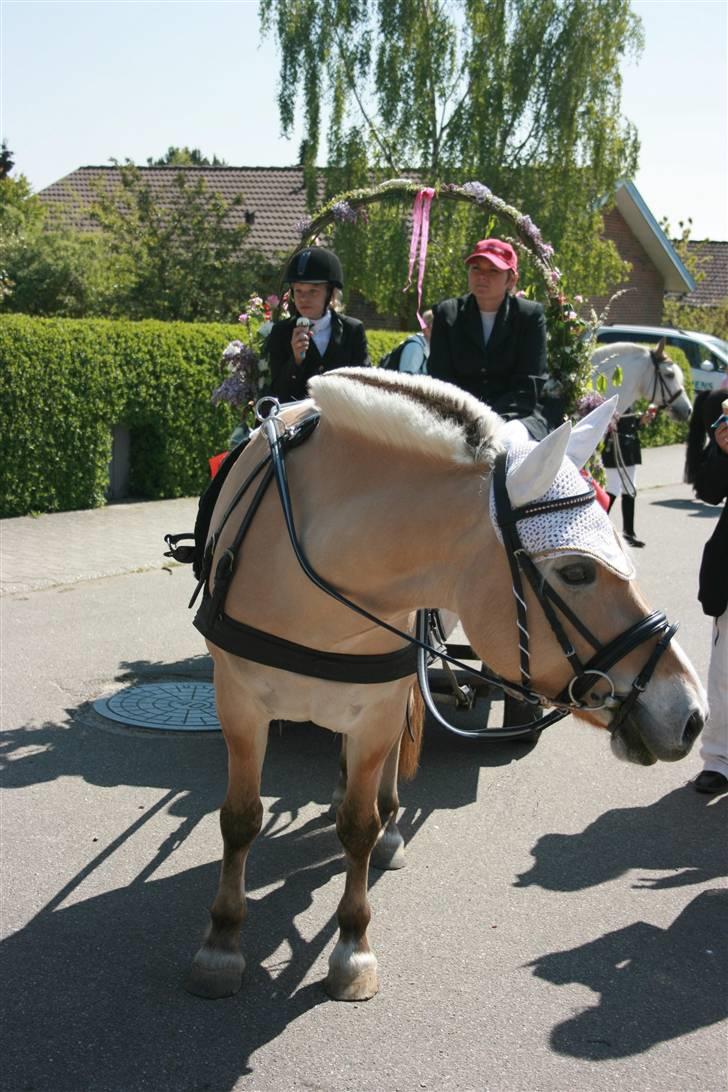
(488, 320)
(321, 332)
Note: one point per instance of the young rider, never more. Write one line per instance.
(298, 349)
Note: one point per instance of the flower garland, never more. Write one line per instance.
(571, 338)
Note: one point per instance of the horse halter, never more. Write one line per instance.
(605, 656)
(661, 383)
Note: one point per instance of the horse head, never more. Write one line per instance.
(646, 373)
(580, 597)
(668, 384)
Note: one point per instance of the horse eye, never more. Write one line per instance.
(580, 572)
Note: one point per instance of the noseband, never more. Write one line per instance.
(661, 384)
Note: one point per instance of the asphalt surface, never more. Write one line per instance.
(558, 925)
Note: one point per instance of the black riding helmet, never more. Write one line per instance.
(315, 264)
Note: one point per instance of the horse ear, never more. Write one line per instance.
(533, 477)
(587, 433)
(660, 349)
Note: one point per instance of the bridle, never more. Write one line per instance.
(660, 383)
(520, 562)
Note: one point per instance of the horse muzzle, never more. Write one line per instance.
(642, 739)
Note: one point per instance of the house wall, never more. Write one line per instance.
(643, 305)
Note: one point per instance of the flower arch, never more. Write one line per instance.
(570, 337)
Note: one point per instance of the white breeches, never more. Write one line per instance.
(614, 480)
(714, 740)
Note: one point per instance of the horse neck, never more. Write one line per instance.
(421, 522)
(636, 372)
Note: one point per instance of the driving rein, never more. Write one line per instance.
(421, 648)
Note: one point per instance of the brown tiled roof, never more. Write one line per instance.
(273, 196)
(712, 260)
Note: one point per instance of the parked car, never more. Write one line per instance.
(707, 355)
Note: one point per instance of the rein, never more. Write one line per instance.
(605, 657)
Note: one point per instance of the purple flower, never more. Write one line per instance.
(528, 228)
(243, 318)
(272, 300)
(344, 213)
(232, 349)
(477, 190)
(588, 402)
(555, 276)
(547, 251)
(303, 226)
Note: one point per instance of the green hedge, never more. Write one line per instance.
(64, 383)
(383, 341)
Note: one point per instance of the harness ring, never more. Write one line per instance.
(607, 699)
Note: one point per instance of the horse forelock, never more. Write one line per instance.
(413, 413)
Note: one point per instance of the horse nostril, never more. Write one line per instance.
(693, 728)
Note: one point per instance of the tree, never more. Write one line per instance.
(181, 256)
(523, 95)
(6, 160)
(185, 157)
(46, 269)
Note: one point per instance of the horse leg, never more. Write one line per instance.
(352, 965)
(217, 969)
(388, 853)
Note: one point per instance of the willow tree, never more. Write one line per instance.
(521, 95)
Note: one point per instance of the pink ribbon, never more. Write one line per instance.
(421, 234)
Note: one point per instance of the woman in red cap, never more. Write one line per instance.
(492, 343)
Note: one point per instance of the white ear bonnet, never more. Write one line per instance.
(583, 530)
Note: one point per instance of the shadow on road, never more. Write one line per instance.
(97, 998)
(692, 507)
(609, 847)
(655, 984)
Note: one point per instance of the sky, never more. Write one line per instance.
(85, 81)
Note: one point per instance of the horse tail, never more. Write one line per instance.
(411, 742)
(696, 437)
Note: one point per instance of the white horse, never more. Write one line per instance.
(646, 373)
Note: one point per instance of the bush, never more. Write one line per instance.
(381, 342)
(65, 383)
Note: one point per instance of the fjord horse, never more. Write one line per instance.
(390, 496)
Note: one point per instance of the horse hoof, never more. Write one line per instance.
(215, 975)
(388, 853)
(352, 977)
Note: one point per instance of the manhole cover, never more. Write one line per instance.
(178, 707)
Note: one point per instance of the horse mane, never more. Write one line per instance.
(409, 412)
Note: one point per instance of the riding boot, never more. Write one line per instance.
(612, 499)
(628, 520)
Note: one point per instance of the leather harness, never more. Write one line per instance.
(264, 648)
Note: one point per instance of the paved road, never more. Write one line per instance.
(556, 928)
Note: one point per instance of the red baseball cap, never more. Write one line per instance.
(501, 254)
